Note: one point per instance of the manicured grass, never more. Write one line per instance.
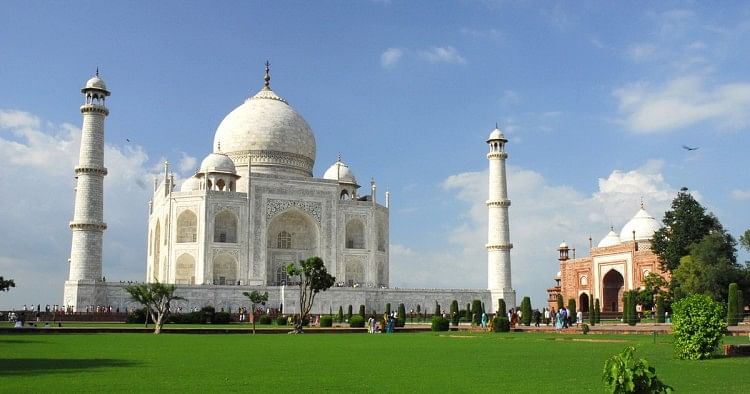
(448, 362)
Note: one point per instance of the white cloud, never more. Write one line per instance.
(542, 215)
(37, 159)
(447, 54)
(187, 164)
(641, 52)
(741, 195)
(682, 102)
(390, 57)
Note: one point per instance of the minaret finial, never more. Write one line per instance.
(641, 202)
(97, 71)
(496, 126)
(267, 77)
(338, 158)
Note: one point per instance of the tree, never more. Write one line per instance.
(685, 224)
(156, 298)
(361, 311)
(654, 285)
(592, 313)
(698, 326)
(313, 278)
(572, 310)
(709, 268)
(401, 318)
(476, 307)
(732, 313)
(340, 315)
(454, 312)
(501, 308)
(437, 309)
(526, 311)
(348, 312)
(745, 240)
(255, 299)
(660, 318)
(6, 284)
(559, 302)
(597, 311)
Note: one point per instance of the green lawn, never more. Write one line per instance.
(449, 362)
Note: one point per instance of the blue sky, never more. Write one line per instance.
(597, 99)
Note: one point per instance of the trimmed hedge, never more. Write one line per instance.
(281, 320)
(501, 324)
(357, 321)
(265, 320)
(476, 308)
(440, 323)
(526, 311)
(326, 321)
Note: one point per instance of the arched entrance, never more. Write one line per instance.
(583, 302)
(291, 236)
(613, 286)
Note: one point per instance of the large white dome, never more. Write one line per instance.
(270, 134)
(643, 224)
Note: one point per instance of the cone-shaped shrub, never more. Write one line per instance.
(597, 311)
(592, 314)
(501, 308)
(401, 320)
(572, 310)
(361, 311)
(560, 302)
(349, 312)
(659, 310)
(526, 311)
(340, 315)
(732, 312)
(476, 307)
(454, 313)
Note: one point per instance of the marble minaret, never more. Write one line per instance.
(88, 219)
(498, 227)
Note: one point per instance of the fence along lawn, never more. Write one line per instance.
(452, 362)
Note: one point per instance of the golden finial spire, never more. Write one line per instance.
(338, 158)
(267, 77)
(97, 71)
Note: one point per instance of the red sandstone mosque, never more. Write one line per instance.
(616, 264)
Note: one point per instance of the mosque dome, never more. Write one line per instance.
(190, 184)
(610, 240)
(218, 162)
(496, 134)
(564, 245)
(340, 172)
(643, 224)
(269, 134)
(96, 83)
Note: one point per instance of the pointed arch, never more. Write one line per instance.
(355, 234)
(225, 270)
(225, 227)
(187, 227)
(185, 269)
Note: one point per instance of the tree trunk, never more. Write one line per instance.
(158, 324)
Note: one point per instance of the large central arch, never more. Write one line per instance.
(613, 286)
(291, 236)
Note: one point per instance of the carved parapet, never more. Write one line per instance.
(88, 226)
(501, 203)
(491, 247)
(497, 155)
(93, 108)
(91, 171)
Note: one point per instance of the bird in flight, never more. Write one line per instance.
(687, 148)
(127, 139)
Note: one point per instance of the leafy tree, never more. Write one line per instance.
(156, 297)
(654, 285)
(745, 240)
(709, 268)
(732, 312)
(501, 308)
(526, 311)
(255, 299)
(476, 307)
(454, 312)
(597, 311)
(313, 278)
(572, 310)
(685, 224)
(624, 374)
(340, 315)
(698, 325)
(6, 284)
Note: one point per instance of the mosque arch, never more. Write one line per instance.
(225, 270)
(187, 227)
(225, 227)
(344, 195)
(355, 234)
(583, 303)
(185, 269)
(613, 286)
(302, 230)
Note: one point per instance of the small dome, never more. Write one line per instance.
(643, 224)
(563, 245)
(217, 162)
(496, 134)
(190, 184)
(559, 274)
(610, 240)
(340, 172)
(96, 83)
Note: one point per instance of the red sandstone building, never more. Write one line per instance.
(618, 263)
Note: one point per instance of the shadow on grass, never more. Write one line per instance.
(38, 366)
(13, 341)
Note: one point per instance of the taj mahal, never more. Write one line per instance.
(253, 207)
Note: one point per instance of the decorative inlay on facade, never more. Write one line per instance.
(232, 252)
(265, 157)
(276, 206)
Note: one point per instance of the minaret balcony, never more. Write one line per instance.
(90, 170)
(94, 108)
(491, 247)
(497, 155)
(501, 203)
